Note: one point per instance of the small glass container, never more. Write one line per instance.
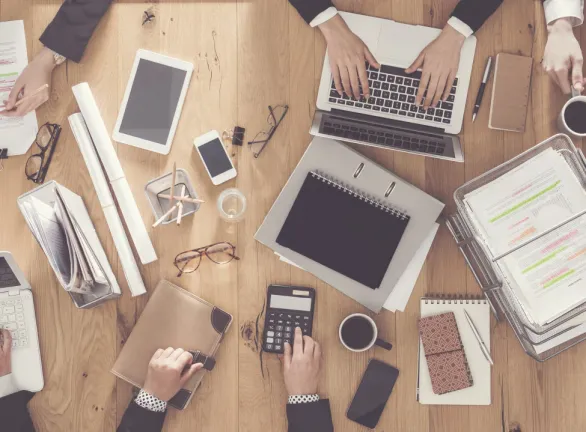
(232, 205)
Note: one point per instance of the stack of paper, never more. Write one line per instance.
(519, 217)
(65, 233)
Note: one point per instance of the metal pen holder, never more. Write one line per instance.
(487, 269)
(162, 186)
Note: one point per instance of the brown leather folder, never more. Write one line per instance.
(510, 92)
(173, 317)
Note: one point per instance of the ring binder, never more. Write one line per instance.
(359, 195)
(454, 299)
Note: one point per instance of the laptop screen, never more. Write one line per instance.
(7, 277)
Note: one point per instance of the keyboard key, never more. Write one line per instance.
(402, 89)
(447, 106)
(349, 103)
(341, 101)
(408, 81)
(277, 347)
(8, 310)
(405, 107)
(10, 326)
(430, 111)
(279, 335)
(279, 328)
(382, 77)
(394, 111)
(411, 99)
(358, 105)
(397, 105)
(376, 84)
(377, 93)
(428, 117)
(437, 119)
(373, 75)
(383, 109)
(447, 115)
(366, 106)
(416, 83)
(403, 113)
(21, 334)
(12, 318)
(388, 103)
(394, 87)
(380, 102)
(385, 86)
(390, 78)
(287, 335)
(332, 100)
(386, 94)
(411, 91)
(269, 346)
(399, 80)
(403, 98)
(371, 100)
(439, 113)
(394, 96)
(422, 110)
(420, 116)
(453, 91)
(413, 108)
(376, 108)
(410, 114)
(455, 81)
(448, 121)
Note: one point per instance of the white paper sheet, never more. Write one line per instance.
(16, 133)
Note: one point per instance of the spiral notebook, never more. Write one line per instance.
(343, 229)
(479, 310)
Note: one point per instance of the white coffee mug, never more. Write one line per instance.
(562, 124)
(375, 340)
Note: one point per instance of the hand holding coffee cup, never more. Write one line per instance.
(358, 333)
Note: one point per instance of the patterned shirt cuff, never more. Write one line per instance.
(149, 402)
(300, 399)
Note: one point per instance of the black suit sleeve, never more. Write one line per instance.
(71, 29)
(475, 12)
(309, 9)
(14, 415)
(138, 419)
(310, 417)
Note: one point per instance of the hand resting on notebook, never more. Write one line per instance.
(166, 375)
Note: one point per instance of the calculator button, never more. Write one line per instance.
(269, 346)
(297, 316)
(288, 323)
(289, 316)
(270, 334)
(305, 317)
(277, 347)
(271, 327)
(278, 340)
(279, 334)
(287, 335)
(272, 321)
(281, 315)
(288, 329)
(305, 331)
(272, 314)
(280, 322)
(269, 340)
(279, 328)
(297, 324)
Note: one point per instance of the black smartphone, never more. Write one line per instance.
(372, 394)
(288, 307)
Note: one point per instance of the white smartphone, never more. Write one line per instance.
(215, 157)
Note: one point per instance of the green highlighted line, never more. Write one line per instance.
(522, 203)
(8, 74)
(544, 259)
(559, 278)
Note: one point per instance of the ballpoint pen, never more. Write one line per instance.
(481, 89)
(480, 341)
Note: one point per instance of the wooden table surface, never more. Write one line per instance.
(247, 55)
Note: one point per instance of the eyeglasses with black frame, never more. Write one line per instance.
(276, 116)
(37, 164)
(219, 253)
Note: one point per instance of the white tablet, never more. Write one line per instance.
(152, 102)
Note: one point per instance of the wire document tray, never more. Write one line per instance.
(539, 341)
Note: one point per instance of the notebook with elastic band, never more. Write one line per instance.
(343, 229)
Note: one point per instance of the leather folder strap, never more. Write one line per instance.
(208, 361)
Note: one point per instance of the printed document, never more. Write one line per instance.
(16, 133)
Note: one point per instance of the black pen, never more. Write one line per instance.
(481, 89)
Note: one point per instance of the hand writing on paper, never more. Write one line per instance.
(165, 376)
(34, 76)
(301, 365)
(5, 352)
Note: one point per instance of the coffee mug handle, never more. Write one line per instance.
(384, 344)
(574, 92)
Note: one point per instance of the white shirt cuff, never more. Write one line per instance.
(460, 26)
(7, 386)
(556, 9)
(324, 16)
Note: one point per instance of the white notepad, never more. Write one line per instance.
(479, 311)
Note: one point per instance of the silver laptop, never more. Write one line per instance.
(389, 118)
(17, 314)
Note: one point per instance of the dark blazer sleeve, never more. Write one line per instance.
(475, 12)
(14, 415)
(71, 29)
(310, 417)
(309, 9)
(138, 419)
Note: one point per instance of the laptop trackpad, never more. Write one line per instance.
(402, 43)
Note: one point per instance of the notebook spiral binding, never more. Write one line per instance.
(371, 200)
(454, 299)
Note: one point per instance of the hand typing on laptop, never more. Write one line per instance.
(439, 61)
(5, 352)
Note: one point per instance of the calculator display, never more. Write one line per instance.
(290, 303)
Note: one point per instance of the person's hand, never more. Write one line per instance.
(35, 75)
(301, 367)
(165, 376)
(440, 61)
(562, 55)
(348, 56)
(5, 352)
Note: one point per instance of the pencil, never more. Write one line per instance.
(173, 176)
(184, 199)
(162, 218)
(36, 92)
(180, 204)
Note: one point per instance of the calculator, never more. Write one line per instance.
(288, 307)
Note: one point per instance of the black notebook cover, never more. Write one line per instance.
(343, 230)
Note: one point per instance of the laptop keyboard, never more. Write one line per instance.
(7, 278)
(393, 91)
(12, 318)
(382, 138)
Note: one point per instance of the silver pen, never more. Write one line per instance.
(483, 347)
